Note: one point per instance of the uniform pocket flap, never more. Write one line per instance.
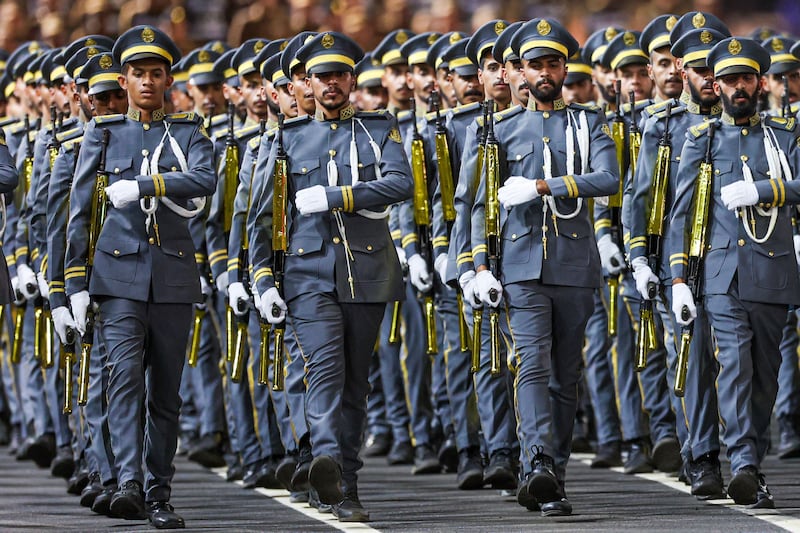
(367, 247)
(182, 248)
(118, 247)
(767, 251)
(305, 166)
(305, 245)
(514, 235)
(118, 165)
(518, 151)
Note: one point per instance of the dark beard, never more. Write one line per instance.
(740, 111)
(273, 107)
(704, 102)
(605, 94)
(545, 95)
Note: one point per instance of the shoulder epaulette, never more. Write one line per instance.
(652, 109)
(69, 145)
(507, 113)
(185, 117)
(430, 117)
(700, 129)
(17, 128)
(254, 143)
(594, 108)
(787, 124)
(640, 104)
(220, 134)
(296, 120)
(662, 112)
(219, 119)
(459, 110)
(7, 121)
(69, 134)
(377, 113)
(402, 115)
(241, 133)
(108, 119)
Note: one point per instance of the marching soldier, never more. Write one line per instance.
(144, 277)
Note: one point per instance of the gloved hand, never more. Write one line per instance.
(237, 298)
(62, 319)
(205, 286)
(28, 285)
(796, 240)
(268, 303)
(682, 297)
(123, 193)
(79, 302)
(256, 298)
(418, 273)
(19, 299)
(468, 294)
(644, 276)
(44, 290)
(488, 288)
(222, 283)
(401, 256)
(601, 201)
(517, 190)
(739, 194)
(610, 256)
(440, 265)
(311, 200)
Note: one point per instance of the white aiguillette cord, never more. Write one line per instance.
(149, 167)
(333, 180)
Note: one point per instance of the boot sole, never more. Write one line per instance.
(326, 479)
(284, 473)
(743, 490)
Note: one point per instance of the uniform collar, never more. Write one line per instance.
(752, 121)
(135, 114)
(558, 104)
(346, 112)
(694, 108)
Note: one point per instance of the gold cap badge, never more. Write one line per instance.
(92, 51)
(499, 27)
(698, 21)
(706, 37)
(777, 44)
(455, 37)
(432, 38)
(148, 35)
(543, 27)
(670, 23)
(89, 42)
(401, 37)
(327, 40)
(106, 62)
(258, 46)
(610, 33)
(629, 38)
(734, 47)
(203, 56)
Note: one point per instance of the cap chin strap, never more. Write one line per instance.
(149, 167)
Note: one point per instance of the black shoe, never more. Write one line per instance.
(77, 481)
(470, 469)
(128, 501)
(186, 441)
(250, 476)
(706, 477)
(43, 450)
(560, 507)
(684, 474)
(542, 482)
(266, 476)
(102, 502)
(300, 496)
(90, 493)
(377, 444)
(667, 455)
(789, 446)
(314, 503)
(743, 488)
(285, 471)
(449, 456)
(63, 464)
(608, 455)
(350, 508)
(638, 461)
(763, 498)
(235, 472)
(23, 450)
(401, 453)
(208, 451)
(299, 480)
(500, 472)
(425, 461)
(525, 498)
(325, 475)
(163, 516)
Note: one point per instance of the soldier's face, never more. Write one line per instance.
(739, 93)
(110, 102)
(516, 81)
(146, 82)
(302, 91)
(252, 95)
(635, 78)
(467, 88)
(394, 79)
(371, 98)
(545, 76)
(776, 88)
(209, 96)
(701, 85)
(580, 92)
(491, 76)
(420, 77)
(446, 87)
(181, 100)
(286, 101)
(331, 89)
(604, 80)
(665, 73)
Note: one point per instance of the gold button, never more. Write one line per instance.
(116, 252)
(299, 250)
(336, 240)
(745, 132)
(771, 254)
(180, 254)
(332, 152)
(145, 152)
(304, 170)
(151, 240)
(174, 169)
(546, 114)
(513, 235)
(740, 242)
(146, 126)
(708, 247)
(716, 171)
(116, 170)
(744, 158)
(369, 247)
(574, 235)
(678, 158)
(334, 126)
(519, 156)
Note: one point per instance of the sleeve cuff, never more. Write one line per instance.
(151, 185)
(771, 193)
(341, 198)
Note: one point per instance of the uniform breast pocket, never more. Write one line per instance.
(724, 175)
(715, 257)
(369, 260)
(182, 266)
(366, 167)
(117, 259)
(520, 159)
(120, 168)
(572, 248)
(770, 267)
(516, 245)
(303, 171)
(304, 256)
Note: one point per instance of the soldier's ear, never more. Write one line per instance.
(123, 81)
(717, 89)
(170, 80)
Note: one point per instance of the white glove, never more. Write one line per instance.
(28, 285)
(237, 298)
(401, 256)
(644, 276)
(610, 256)
(17, 292)
(311, 200)
(601, 201)
(268, 303)
(418, 273)
(222, 283)
(205, 286)
(739, 194)
(44, 290)
(62, 319)
(256, 298)
(488, 288)
(123, 193)
(517, 190)
(468, 294)
(682, 297)
(796, 240)
(440, 265)
(79, 302)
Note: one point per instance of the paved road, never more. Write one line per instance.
(30, 499)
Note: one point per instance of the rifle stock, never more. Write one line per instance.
(280, 241)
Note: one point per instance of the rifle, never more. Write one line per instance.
(98, 217)
(698, 235)
(634, 137)
(69, 362)
(477, 314)
(492, 213)
(654, 231)
(422, 221)
(280, 241)
(615, 205)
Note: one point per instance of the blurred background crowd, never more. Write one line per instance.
(194, 22)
